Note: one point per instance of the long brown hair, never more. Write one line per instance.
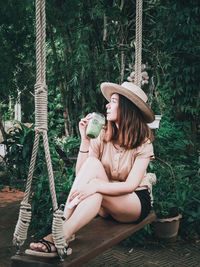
(133, 130)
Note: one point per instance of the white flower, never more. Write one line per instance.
(132, 75)
(145, 77)
(130, 79)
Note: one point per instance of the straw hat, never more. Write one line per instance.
(133, 92)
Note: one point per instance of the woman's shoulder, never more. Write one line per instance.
(147, 143)
(145, 148)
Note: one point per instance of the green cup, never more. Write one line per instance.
(95, 125)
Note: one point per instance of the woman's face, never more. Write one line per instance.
(112, 108)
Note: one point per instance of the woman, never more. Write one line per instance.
(110, 170)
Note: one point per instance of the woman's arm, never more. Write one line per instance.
(96, 185)
(132, 182)
(82, 154)
(85, 144)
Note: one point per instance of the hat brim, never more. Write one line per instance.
(108, 89)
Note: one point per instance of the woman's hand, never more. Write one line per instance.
(84, 191)
(83, 125)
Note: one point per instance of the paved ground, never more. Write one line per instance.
(175, 254)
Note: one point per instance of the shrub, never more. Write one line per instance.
(172, 146)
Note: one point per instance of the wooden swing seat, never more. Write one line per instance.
(92, 240)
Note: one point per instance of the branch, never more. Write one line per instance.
(170, 167)
(122, 5)
(104, 27)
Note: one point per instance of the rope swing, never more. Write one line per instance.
(138, 43)
(41, 128)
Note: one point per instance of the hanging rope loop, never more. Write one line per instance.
(22, 225)
(40, 88)
(58, 237)
(41, 106)
(41, 101)
(57, 232)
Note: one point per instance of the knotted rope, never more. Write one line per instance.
(138, 43)
(41, 123)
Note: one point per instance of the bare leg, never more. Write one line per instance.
(92, 168)
(83, 214)
(125, 208)
(87, 209)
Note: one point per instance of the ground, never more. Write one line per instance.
(180, 253)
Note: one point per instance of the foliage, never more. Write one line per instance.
(17, 51)
(176, 181)
(19, 147)
(179, 47)
(89, 42)
(19, 144)
(55, 115)
(7, 114)
(70, 145)
(63, 177)
(42, 203)
(191, 216)
(170, 193)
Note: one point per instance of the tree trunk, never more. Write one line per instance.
(122, 65)
(2, 128)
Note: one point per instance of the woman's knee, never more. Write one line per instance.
(92, 161)
(94, 168)
(94, 164)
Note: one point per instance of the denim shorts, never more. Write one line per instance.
(145, 199)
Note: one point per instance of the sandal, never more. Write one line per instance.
(48, 254)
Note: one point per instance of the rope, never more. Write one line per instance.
(138, 43)
(22, 225)
(31, 167)
(50, 171)
(41, 123)
(41, 107)
(57, 230)
(38, 40)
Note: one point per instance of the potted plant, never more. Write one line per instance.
(168, 201)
